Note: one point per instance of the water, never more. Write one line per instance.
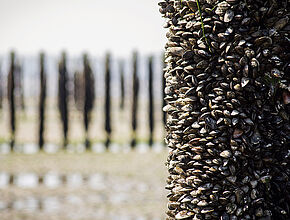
(3, 205)
(81, 195)
(98, 148)
(108, 192)
(5, 149)
(126, 148)
(120, 217)
(74, 180)
(29, 148)
(32, 204)
(4, 180)
(119, 198)
(51, 204)
(99, 198)
(74, 200)
(18, 205)
(51, 148)
(97, 182)
(80, 148)
(52, 180)
(142, 187)
(28, 204)
(115, 148)
(142, 148)
(26, 180)
(124, 187)
(158, 147)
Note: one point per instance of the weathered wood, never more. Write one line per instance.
(11, 98)
(42, 101)
(63, 95)
(89, 96)
(108, 127)
(122, 85)
(151, 100)
(135, 93)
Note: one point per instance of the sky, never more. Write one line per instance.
(95, 26)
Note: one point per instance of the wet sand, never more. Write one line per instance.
(83, 186)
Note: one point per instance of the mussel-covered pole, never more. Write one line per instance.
(151, 100)
(63, 96)
(11, 98)
(122, 85)
(227, 87)
(135, 92)
(108, 128)
(42, 101)
(1, 88)
(164, 115)
(89, 96)
(163, 89)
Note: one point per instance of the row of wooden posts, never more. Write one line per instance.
(84, 96)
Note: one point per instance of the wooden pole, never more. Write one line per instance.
(151, 100)
(11, 98)
(63, 97)
(122, 85)
(108, 127)
(89, 96)
(42, 101)
(135, 93)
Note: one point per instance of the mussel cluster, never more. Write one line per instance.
(228, 94)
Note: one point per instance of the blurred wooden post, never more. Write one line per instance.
(108, 128)
(122, 85)
(135, 92)
(11, 98)
(42, 101)
(151, 100)
(63, 96)
(89, 96)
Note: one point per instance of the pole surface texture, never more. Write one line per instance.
(227, 89)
